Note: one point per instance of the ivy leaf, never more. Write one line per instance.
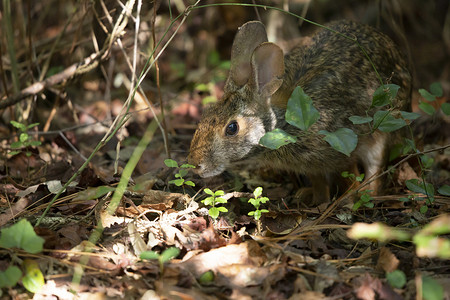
(360, 120)
(384, 94)
(386, 122)
(300, 111)
(21, 235)
(343, 140)
(276, 138)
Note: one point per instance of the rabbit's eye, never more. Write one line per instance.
(232, 128)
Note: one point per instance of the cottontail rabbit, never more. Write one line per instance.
(333, 71)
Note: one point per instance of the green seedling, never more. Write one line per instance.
(256, 202)
(182, 171)
(162, 258)
(22, 236)
(25, 140)
(365, 199)
(212, 200)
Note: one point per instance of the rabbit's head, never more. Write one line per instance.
(230, 129)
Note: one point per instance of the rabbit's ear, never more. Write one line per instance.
(249, 36)
(268, 68)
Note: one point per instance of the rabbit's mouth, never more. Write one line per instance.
(206, 172)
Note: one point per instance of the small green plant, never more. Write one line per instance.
(182, 171)
(212, 200)
(256, 202)
(365, 198)
(22, 236)
(25, 140)
(162, 258)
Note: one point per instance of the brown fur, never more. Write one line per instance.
(333, 71)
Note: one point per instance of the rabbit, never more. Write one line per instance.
(333, 71)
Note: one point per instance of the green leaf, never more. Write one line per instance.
(32, 125)
(300, 111)
(169, 254)
(23, 137)
(427, 95)
(343, 140)
(417, 186)
(397, 279)
(206, 277)
(257, 214)
(446, 108)
(16, 145)
(220, 200)
(18, 125)
(360, 120)
(444, 190)
(149, 255)
(423, 209)
(177, 182)
(92, 193)
(384, 94)
(182, 172)
(427, 161)
(10, 277)
(431, 289)
(21, 235)
(385, 122)
(263, 199)
(409, 115)
(33, 279)
(208, 191)
(190, 183)
(187, 166)
(222, 209)
(258, 192)
(427, 108)
(219, 193)
(254, 202)
(171, 163)
(35, 143)
(276, 138)
(436, 89)
(208, 201)
(214, 212)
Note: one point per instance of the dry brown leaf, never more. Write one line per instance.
(244, 253)
(387, 261)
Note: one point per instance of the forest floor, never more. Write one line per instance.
(64, 175)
